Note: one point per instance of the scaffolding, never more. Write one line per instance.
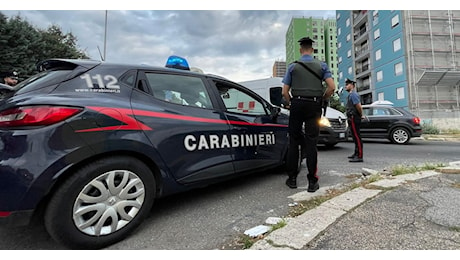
(433, 69)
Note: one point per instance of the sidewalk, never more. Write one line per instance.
(419, 211)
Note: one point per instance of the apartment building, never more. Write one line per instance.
(410, 58)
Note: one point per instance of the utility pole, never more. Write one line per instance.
(105, 35)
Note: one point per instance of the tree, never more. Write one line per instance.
(22, 45)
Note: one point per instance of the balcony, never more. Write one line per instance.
(361, 53)
(359, 18)
(363, 87)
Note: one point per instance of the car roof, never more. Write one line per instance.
(370, 105)
(88, 63)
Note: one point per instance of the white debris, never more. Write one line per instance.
(293, 204)
(273, 220)
(257, 231)
(367, 172)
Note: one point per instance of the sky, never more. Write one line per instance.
(234, 39)
(237, 44)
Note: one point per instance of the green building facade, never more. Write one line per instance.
(322, 31)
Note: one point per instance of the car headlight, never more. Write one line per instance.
(323, 121)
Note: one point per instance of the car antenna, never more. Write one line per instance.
(102, 58)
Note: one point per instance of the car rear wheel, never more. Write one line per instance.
(400, 135)
(101, 203)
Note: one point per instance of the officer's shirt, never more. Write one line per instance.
(353, 99)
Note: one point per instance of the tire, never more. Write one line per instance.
(96, 191)
(400, 135)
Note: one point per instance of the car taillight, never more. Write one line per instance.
(4, 213)
(36, 115)
(416, 120)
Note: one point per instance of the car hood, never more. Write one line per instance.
(330, 113)
(333, 113)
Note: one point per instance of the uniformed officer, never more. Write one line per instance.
(9, 78)
(304, 92)
(354, 116)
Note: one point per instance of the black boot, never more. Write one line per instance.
(313, 186)
(356, 159)
(291, 182)
(352, 156)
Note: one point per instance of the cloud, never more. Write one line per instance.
(236, 44)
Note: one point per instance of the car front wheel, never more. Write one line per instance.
(101, 203)
(400, 135)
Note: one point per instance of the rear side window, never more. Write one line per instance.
(179, 89)
(43, 79)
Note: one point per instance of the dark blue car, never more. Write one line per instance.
(88, 146)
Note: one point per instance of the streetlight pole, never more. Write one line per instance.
(105, 35)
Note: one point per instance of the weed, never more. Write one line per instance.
(429, 128)
(278, 225)
(406, 169)
(455, 229)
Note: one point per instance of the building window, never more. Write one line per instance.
(400, 93)
(394, 21)
(381, 96)
(397, 45)
(338, 16)
(398, 69)
(350, 70)
(340, 59)
(339, 31)
(348, 37)
(379, 76)
(348, 22)
(376, 34)
(340, 75)
(378, 55)
(349, 53)
(339, 45)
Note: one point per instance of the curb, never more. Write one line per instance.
(299, 231)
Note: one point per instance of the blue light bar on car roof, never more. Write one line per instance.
(177, 62)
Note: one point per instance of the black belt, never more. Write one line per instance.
(308, 98)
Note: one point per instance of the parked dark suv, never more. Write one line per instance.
(393, 123)
(89, 145)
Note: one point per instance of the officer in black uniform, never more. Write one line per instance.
(9, 78)
(304, 92)
(354, 117)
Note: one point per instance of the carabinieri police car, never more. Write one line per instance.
(89, 145)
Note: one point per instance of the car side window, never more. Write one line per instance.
(394, 112)
(238, 101)
(380, 111)
(179, 89)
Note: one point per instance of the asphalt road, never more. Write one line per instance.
(212, 217)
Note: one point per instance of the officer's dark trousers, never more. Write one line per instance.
(308, 113)
(355, 125)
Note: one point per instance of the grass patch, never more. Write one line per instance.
(246, 241)
(407, 169)
(278, 225)
(429, 128)
(452, 131)
(455, 229)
